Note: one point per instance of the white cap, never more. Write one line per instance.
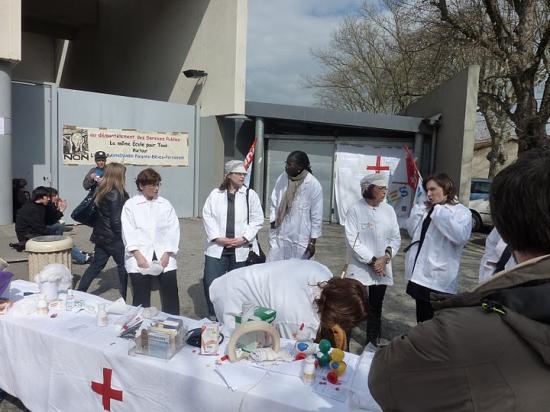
(234, 166)
(378, 179)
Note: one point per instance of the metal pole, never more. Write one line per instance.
(6, 213)
(258, 183)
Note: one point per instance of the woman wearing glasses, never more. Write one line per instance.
(151, 233)
(373, 238)
(232, 216)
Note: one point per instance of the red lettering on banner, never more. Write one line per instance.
(104, 389)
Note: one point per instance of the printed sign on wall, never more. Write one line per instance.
(132, 147)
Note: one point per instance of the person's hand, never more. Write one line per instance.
(379, 266)
(165, 259)
(141, 261)
(310, 250)
(237, 242)
(98, 179)
(62, 205)
(223, 241)
(93, 176)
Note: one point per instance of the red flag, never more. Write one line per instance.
(250, 156)
(413, 174)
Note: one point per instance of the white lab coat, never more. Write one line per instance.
(214, 218)
(302, 222)
(287, 286)
(375, 229)
(494, 247)
(150, 226)
(439, 259)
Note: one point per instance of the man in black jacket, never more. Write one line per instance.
(33, 219)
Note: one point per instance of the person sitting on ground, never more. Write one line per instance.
(95, 174)
(20, 195)
(487, 350)
(32, 221)
(54, 212)
(301, 291)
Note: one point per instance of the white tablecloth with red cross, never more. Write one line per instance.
(68, 363)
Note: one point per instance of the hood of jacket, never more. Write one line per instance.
(522, 293)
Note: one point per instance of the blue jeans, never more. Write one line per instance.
(77, 254)
(101, 256)
(213, 269)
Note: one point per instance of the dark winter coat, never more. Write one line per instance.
(108, 227)
(31, 221)
(470, 359)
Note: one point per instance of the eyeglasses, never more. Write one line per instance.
(153, 185)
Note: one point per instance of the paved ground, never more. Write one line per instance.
(398, 311)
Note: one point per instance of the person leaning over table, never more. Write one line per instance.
(107, 229)
(151, 232)
(439, 230)
(232, 216)
(486, 350)
(301, 291)
(372, 239)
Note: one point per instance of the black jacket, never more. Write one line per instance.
(52, 214)
(31, 221)
(108, 227)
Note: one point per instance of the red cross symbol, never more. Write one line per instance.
(104, 389)
(378, 166)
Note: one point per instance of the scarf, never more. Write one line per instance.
(288, 198)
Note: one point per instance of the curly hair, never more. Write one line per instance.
(342, 302)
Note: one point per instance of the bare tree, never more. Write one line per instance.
(381, 61)
(516, 35)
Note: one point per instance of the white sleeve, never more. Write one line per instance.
(455, 225)
(256, 216)
(174, 236)
(361, 251)
(316, 213)
(210, 220)
(130, 234)
(490, 257)
(415, 218)
(275, 199)
(395, 238)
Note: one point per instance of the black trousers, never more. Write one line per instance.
(101, 256)
(169, 294)
(421, 294)
(374, 315)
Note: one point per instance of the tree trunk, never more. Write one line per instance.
(531, 135)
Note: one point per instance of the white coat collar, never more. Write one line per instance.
(141, 199)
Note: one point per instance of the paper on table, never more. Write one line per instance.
(239, 375)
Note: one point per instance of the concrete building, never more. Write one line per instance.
(105, 64)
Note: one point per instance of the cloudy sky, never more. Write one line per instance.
(281, 34)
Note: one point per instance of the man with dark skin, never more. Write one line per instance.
(296, 210)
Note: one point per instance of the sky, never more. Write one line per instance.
(281, 35)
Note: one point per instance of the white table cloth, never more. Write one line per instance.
(50, 364)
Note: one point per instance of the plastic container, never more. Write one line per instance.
(308, 373)
(69, 303)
